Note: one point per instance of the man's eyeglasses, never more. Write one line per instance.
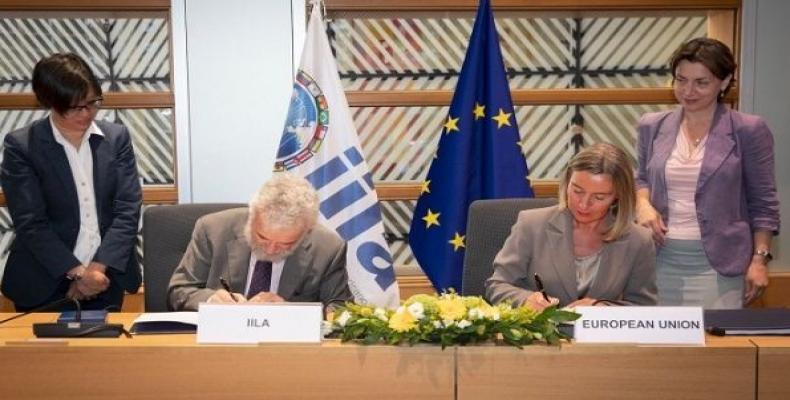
(92, 105)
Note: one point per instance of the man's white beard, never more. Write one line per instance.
(262, 255)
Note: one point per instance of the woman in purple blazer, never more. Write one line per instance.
(706, 186)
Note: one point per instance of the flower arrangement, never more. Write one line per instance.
(449, 319)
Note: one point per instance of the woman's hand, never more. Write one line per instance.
(74, 293)
(585, 302)
(756, 280)
(647, 216)
(538, 302)
(93, 280)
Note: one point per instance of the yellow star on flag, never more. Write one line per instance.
(431, 218)
(424, 188)
(451, 124)
(480, 111)
(457, 242)
(502, 119)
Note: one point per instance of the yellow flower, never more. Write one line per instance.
(402, 321)
(428, 302)
(490, 312)
(451, 308)
(473, 301)
(365, 311)
(504, 308)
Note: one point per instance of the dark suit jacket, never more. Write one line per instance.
(736, 190)
(42, 200)
(315, 271)
(541, 242)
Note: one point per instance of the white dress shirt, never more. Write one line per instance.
(81, 165)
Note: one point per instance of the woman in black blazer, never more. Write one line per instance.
(73, 193)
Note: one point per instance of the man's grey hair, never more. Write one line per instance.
(285, 201)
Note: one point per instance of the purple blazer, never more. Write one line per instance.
(736, 190)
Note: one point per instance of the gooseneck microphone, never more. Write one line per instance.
(73, 329)
(48, 306)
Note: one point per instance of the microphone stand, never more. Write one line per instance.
(47, 306)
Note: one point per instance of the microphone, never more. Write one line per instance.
(44, 308)
(74, 329)
(78, 328)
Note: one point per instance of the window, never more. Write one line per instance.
(575, 70)
(127, 44)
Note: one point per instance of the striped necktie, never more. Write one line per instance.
(261, 278)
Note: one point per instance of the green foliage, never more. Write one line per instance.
(449, 319)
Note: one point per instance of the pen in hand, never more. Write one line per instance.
(541, 288)
(225, 286)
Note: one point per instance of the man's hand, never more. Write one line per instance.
(223, 296)
(266, 297)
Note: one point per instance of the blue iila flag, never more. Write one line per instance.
(479, 157)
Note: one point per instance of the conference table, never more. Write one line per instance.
(773, 366)
(176, 367)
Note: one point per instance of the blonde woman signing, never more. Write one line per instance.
(585, 251)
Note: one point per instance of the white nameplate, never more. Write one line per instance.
(643, 325)
(257, 323)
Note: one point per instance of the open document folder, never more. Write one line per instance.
(166, 322)
(748, 321)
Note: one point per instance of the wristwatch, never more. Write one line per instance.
(765, 253)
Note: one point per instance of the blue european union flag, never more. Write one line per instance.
(479, 157)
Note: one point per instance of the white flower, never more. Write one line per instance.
(476, 313)
(464, 323)
(437, 324)
(417, 310)
(380, 313)
(495, 315)
(343, 318)
(326, 328)
(448, 323)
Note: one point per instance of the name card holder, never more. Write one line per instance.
(259, 323)
(640, 325)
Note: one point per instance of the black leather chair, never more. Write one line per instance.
(487, 228)
(167, 230)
